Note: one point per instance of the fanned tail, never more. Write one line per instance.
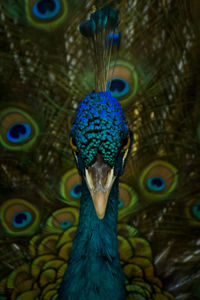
(46, 69)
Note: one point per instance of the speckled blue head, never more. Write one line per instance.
(99, 128)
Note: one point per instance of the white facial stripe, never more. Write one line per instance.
(125, 155)
(89, 180)
(75, 156)
(110, 178)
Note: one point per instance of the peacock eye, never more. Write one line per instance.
(46, 9)
(126, 143)
(76, 191)
(158, 179)
(46, 14)
(196, 210)
(192, 211)
(122, 81)
(71, 188)
(22, 219)
(73, 144)
(19, 217)
(155, 183)
(18, 130)
(118, 87)
(127, 200)
(62, 219)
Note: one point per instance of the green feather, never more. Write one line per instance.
(46, 69)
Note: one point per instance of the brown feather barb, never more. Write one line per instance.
(46, 69)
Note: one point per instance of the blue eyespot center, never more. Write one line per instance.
(22, 219)
(114, 38)
(118, 87)
(45, 5)
(120, 203)
(196, 210)
(76, 191)
(156, 184)
(46, 9)
(19, 132)
(65, 224)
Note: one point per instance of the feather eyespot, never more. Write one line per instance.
(192, 211)
(127, 200)
(19, 217)
(196, 210)
(118, 87)
(45, 9)
(155, 183)
(46, 14)
(62, 219)
(122, 81)
(158, 179)
(19, 130)
(120, 203)
(73, 144)
(22, 219)
(71, 188)
(64, 224)
(76, 191)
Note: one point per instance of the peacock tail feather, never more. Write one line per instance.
(150, 64)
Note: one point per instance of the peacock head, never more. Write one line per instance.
(101, 141)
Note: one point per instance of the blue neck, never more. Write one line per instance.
(94, 270)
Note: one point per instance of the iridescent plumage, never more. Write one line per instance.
(47, 68)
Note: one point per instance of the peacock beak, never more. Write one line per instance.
(99, 178)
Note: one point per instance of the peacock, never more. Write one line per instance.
(99, 143)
